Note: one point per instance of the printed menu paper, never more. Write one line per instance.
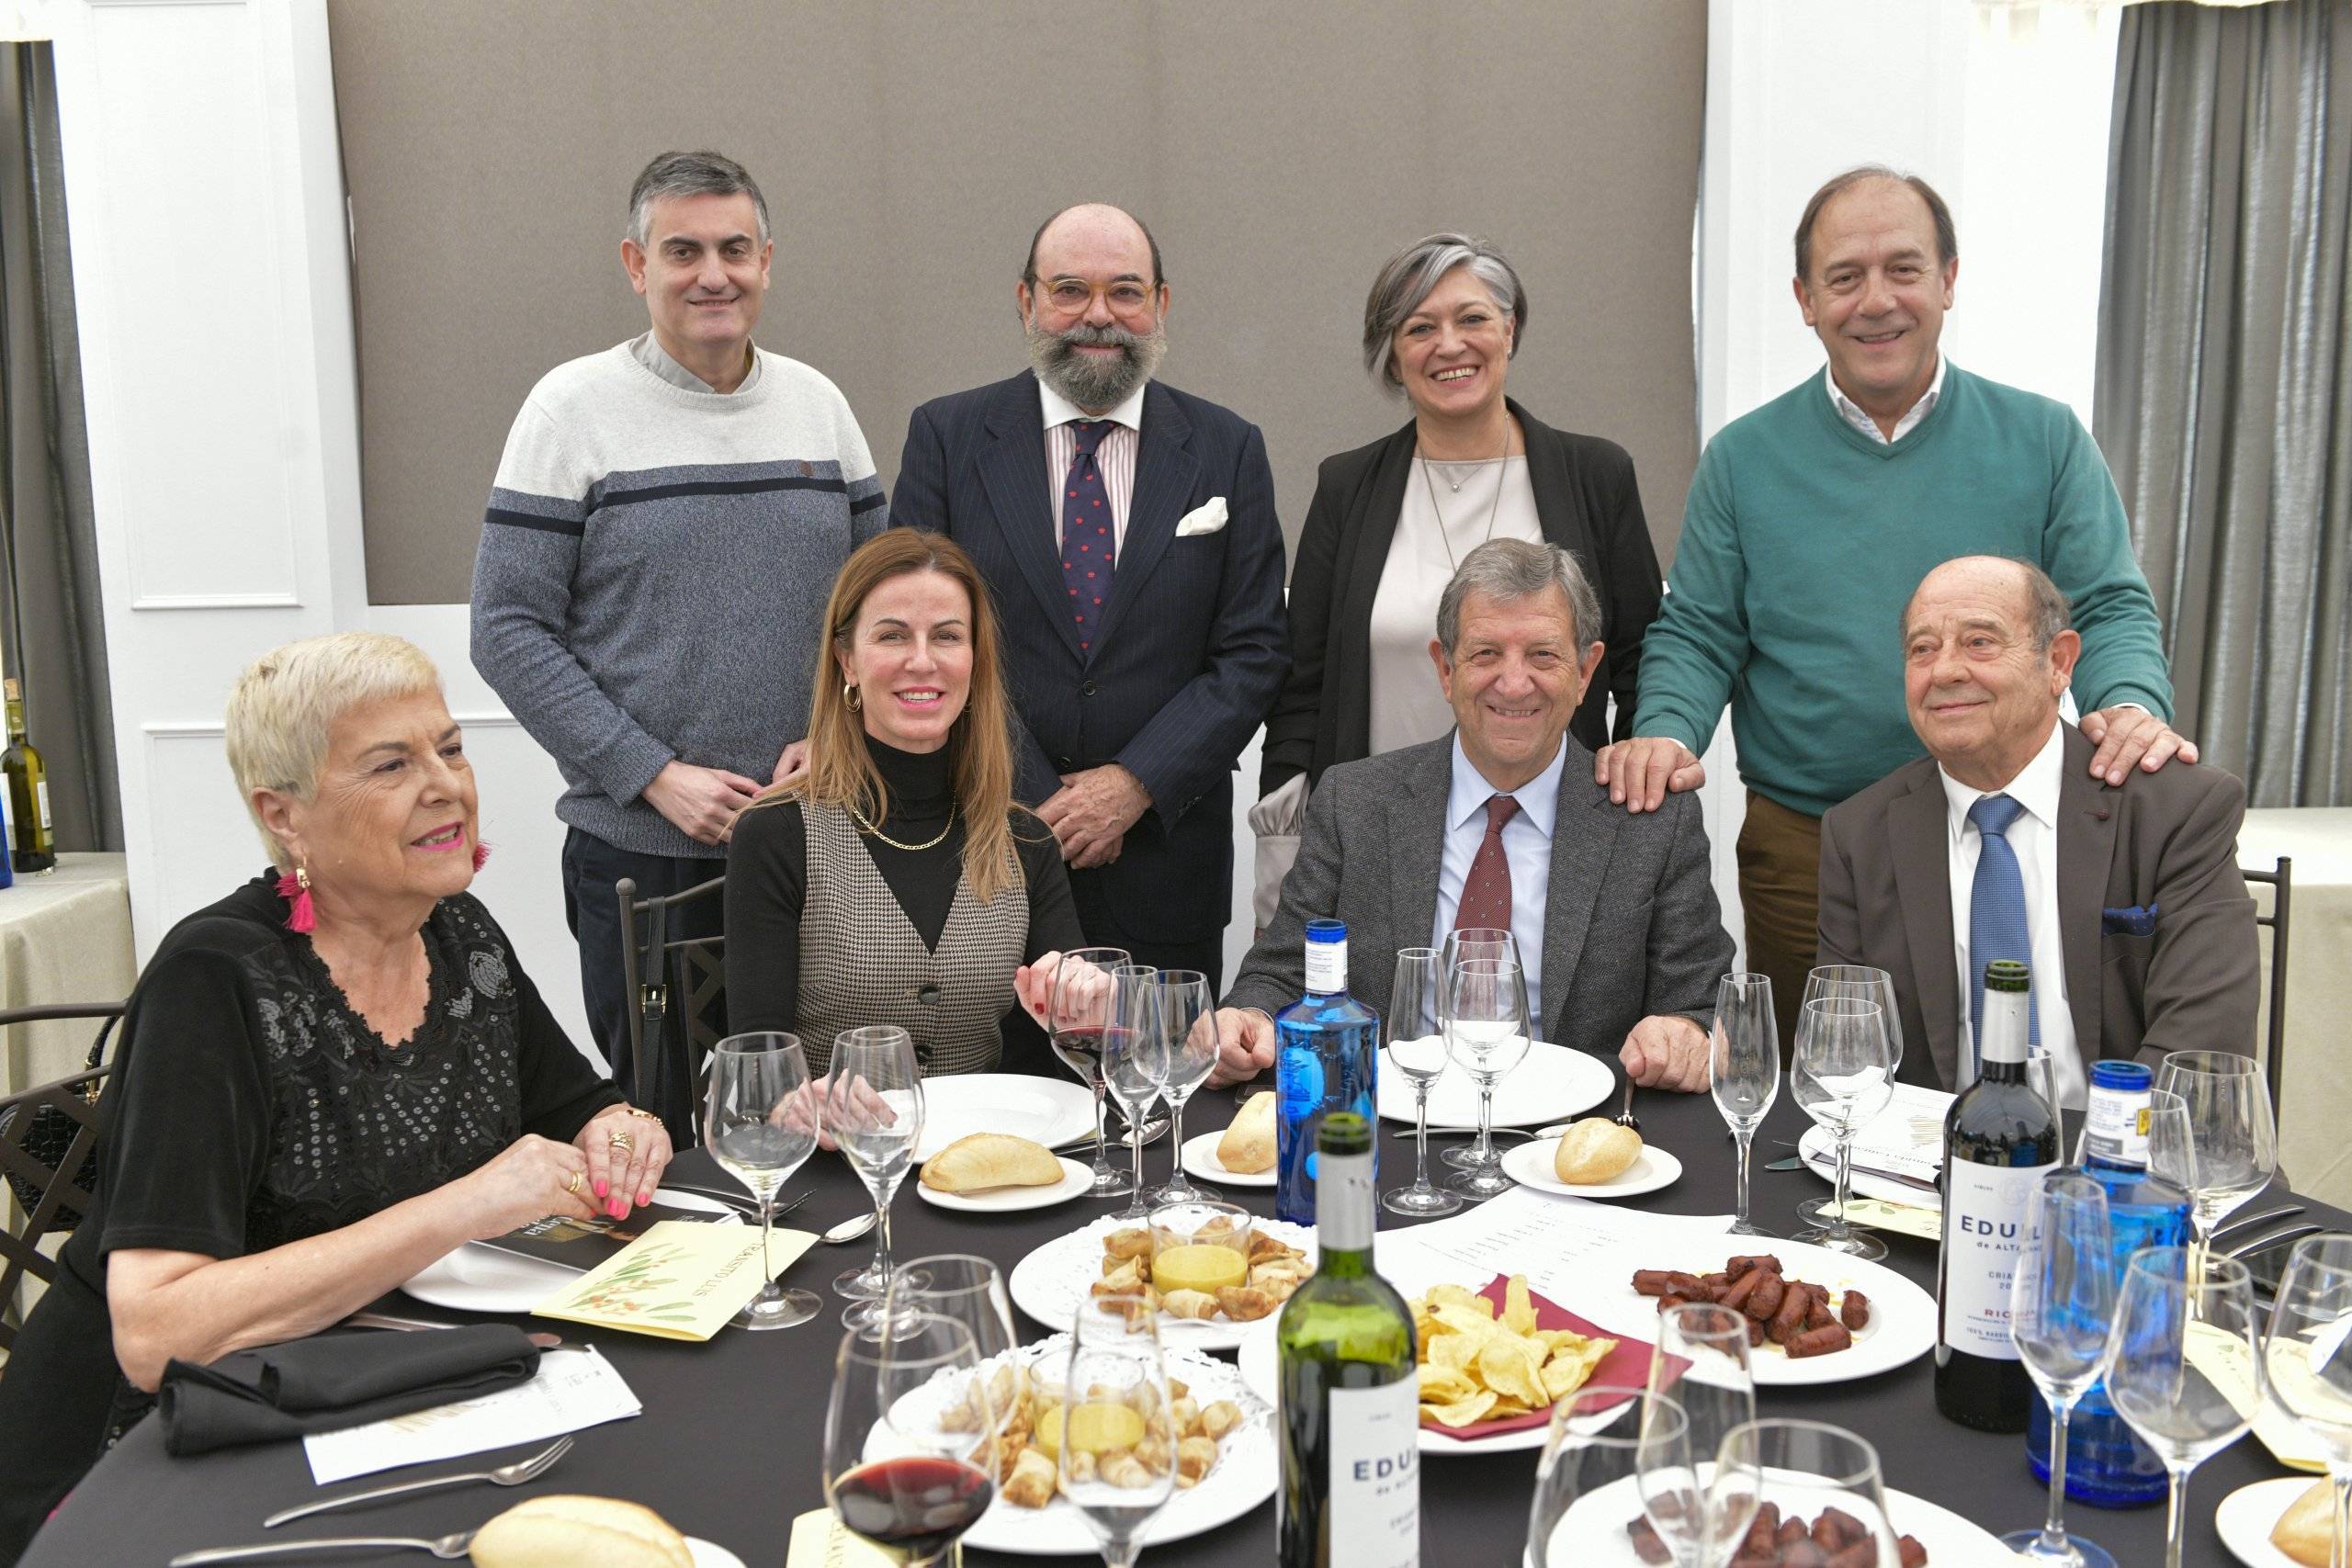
(572, 1389)
(819, 1542)
(679, 1281)
(1906, 1138)
(1544, 1237)
(2228, 1365)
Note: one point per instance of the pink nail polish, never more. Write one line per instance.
(619, 1210)
(602, 1187)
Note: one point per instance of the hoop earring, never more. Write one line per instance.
(849, 695)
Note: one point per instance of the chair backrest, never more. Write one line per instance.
(48, 1134)
(668, 977)
(2282, 884)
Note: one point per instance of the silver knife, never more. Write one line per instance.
(2273, 1240)
(2278, 1213)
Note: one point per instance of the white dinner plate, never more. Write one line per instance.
(474, 1278)
(1902, 1326)
(1242, 1478)
(1200, 1159)
(1596, 1524)
(1076, 1182)
(1051, 1112)
(2248, 1514)
(710, 1554)
(1530, 1165)
(1551, 1083)
(1050, 1282)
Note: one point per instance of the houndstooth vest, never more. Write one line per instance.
(861, 961)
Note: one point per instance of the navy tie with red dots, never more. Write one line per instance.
(1087, 542)
(1486, 891)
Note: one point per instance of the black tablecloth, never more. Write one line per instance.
(731, 1440)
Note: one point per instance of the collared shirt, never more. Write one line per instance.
(1527, 845)
(1116, 457)
(648, 352)
(1851, 411)
(2034, 836)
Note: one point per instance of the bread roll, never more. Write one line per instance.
(983, 1161)
(580, 1532)
(2304, 1531)
(1595, 1150)
(1248, 1146)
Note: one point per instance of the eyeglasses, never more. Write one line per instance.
(1074, 296)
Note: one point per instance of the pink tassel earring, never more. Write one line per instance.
(481, 853)
(294, 886)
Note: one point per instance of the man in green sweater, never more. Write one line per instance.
(1811, 519)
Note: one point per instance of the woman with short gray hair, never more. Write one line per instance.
(1390, 522)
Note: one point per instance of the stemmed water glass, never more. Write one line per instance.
(760, 1123)
(1484, 1021)
(1474, 941)
(874, 1107)
(900, 1469)
(1135, 1060)
(1117, 1385)
(1187, 1028)
(2173, 1297)
(2307, 1364)
(1718, 1392)
(1075, 1020)
(1613, 1452)
(1807, 1468)
(1860, 982)
(2062, 1298)
(1841, 1080)
(1416, 1048)
(1744, 1068)
(2230, 1123)
(964, 1287)
(2172, 1144)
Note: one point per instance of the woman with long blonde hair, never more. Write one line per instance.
(896, 881)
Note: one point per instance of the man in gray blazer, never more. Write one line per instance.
(1502, 825)
(2124, 899)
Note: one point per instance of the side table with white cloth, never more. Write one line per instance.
(2316, 1095)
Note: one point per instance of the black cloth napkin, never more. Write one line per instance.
(336, 1379)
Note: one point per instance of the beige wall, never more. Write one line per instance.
(907, 151)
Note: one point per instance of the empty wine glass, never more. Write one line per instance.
(1135, 1060)
(2172, 1299)
(1864, 984)
(1075, 1020)
(874, 1107)
(2229, 1124)
(1416, 1048)
(760, 1123)
(2307, 1364)
(1484, 1021)
(1840, 1079)
(1808, 1470)
(1188, 1029)
(1744, 1068)
(2062, 1298)
(1718, 1392)
(1616, 1459)
(1117, 1386)
(1474, 941)
(964, 1287)
(2172, 1146)
(909, 1435)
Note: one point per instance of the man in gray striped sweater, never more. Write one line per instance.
(666, 523)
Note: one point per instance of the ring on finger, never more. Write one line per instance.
(578, 1183)
(621, 1140)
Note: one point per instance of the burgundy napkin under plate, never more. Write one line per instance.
(1628, 1365)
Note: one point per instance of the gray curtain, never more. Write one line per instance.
(51, 628)
(2224, 394)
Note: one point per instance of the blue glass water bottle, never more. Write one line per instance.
(2107, 1465)
(1327, 1058)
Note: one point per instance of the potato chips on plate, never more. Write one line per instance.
(1479, 1366)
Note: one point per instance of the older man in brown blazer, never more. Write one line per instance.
(2125, 899)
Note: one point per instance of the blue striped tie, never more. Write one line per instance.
(1996, 926)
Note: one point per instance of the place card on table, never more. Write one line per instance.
(2228, 1365)
(1907, 1137)
(572, 1390)
(681, 1280)
(1905, 1219)
(819, 1541)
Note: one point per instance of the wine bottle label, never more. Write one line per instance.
(1326, 968)
(1374, 1512)
(1984, 1229)
(1343, 1202)
(2116, 1127)
(41, 790)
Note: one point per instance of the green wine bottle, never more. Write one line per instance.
(1350, 1490)
(35, 847)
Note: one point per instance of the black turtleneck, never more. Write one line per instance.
(767, 878)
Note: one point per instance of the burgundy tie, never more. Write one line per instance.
(1486, 892)
(1088, 545)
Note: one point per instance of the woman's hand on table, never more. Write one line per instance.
(625, 1155)
(530, 1179)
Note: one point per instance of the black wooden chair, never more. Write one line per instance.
(678, 987)
(2281, 883)
(48, 1179)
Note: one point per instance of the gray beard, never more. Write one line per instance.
(1096, 386)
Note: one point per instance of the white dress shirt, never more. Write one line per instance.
(1527, 846)
(1116, 457)
(650, 352)
(1851, 411)
(2034, 836)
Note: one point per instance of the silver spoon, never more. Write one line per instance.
(850, 1229)
(515, 1474)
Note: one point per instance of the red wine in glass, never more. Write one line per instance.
(1081, 1052)
(919, 1504)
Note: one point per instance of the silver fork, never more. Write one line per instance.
(514, 1474)
(447, 1548)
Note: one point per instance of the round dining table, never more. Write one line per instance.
(730, 1443)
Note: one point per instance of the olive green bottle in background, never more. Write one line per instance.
(35, 848)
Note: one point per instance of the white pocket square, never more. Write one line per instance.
(1205, 518)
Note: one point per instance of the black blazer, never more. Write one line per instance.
(1190, 651)
(1586, 499)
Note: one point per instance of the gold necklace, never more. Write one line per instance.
(870, 830)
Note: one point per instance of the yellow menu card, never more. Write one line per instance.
(681, 1280)
(819, 1542)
